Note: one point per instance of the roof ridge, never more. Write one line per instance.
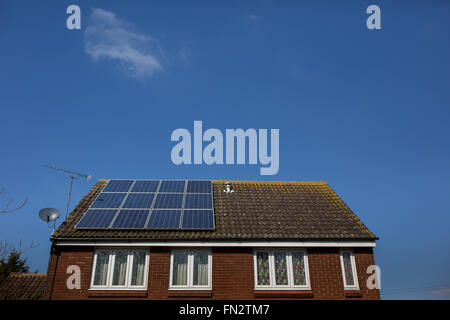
(274, 182)
(318, 182)
(25, 274)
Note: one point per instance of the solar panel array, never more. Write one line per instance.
(151, 204)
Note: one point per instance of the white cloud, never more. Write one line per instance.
(108, 37)
(253, 17)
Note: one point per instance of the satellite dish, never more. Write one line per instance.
(49, 214)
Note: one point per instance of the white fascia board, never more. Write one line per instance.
(253, 244)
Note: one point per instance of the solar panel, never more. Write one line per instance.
(198, 219)
(139, 200)
(118, 186)
(164, 219)
(152, 204)
(172, 186)
(131, 219)
(198, 201)
(199, 187)
(94, 218)
(169, 201)
(145, 186)
(108, 200)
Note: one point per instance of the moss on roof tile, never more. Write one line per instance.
(256, 210)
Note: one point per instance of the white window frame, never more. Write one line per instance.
(130, 258)
(190, 271)
(273, 285)
(353, 265)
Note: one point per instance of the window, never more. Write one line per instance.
(281, 269)
(190, 269)
(349, 270)
(120, 269)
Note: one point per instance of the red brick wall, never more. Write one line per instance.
(232, 276)
(62, 257)
(326, 274)
(232, 273)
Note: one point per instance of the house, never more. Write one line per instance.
(138, 239)
(23, 286)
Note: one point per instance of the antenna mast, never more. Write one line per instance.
(72, 175)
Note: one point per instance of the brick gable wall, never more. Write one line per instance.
(232, 276)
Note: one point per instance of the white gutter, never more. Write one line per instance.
(284, 244)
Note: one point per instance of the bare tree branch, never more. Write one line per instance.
(6, 248)
(10, 200)
(6, 209)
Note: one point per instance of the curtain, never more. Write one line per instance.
(298, 268)
(137, 275)
(101, 268)
(180, 262)
(348, 271)
(281, 276)
(200, 268)
(262, 262)
(120, 268)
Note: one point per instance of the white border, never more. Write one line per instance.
(109, 285)
(353, 265)
(290, 285)
(256, 244)
(190, 270)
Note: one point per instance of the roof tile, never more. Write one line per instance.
(256, 210)
(23, 286)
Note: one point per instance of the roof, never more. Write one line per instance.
(256, 210)
(23, 286)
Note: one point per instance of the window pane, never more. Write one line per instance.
(262, 266)
(101, 268)
(298, 268)
(281, 276)
(120, 268)
(200, 268)
(348, 271)
(180, 261)
(137, 274)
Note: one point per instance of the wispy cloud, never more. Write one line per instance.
(444, 292)
(110, 38)
(253, 17)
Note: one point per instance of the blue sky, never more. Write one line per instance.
(366, 111)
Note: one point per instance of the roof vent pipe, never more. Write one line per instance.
(228, 189)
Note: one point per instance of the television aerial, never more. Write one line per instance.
(72, 175)
(49, 215)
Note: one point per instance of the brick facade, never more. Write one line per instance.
(232, 276)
